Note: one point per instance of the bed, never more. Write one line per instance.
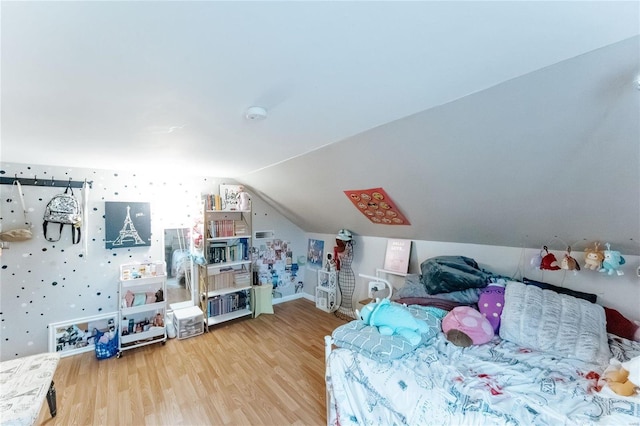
(508, 381)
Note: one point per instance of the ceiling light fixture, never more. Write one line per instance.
(256, 113)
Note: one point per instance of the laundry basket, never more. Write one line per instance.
(108, 349)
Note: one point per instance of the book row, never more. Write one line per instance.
(222, 252)
(227, 303)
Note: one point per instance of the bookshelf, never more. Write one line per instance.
(224, 282)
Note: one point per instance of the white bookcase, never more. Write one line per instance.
(326, 291)
(225, 281)
(143, 289)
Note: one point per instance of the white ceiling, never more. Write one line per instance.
(165, 85)
(114, 84)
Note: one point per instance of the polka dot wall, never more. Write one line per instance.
(43, 282)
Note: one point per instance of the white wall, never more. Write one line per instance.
(618, 292)
(44, 282)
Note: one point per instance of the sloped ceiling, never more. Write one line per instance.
(487, 122)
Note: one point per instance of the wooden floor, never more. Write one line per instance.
(263, 371)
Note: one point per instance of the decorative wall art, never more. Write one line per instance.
(127, 224)
(396, 258)
(377, 206)
(315, 253)
(229, 196)
(273, 263)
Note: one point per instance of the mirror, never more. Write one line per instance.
(179, 273)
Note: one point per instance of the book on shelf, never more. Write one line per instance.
(226, 303)
(212, 202)
(221, 228)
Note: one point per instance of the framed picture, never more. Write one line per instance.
(396, 257)
(77, 336)
(315, 253)
(127, 224)
(229, 196)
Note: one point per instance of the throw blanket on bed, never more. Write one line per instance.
(496, 383)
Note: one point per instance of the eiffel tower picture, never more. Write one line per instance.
(120, 228)
(128, 231)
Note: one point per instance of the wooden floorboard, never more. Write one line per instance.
(263, 371)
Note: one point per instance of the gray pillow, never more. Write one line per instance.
(413, 287)
(366, 340)
(556, 323)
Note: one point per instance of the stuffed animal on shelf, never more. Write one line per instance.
(612, 261)
(243, 199)
(393, 319)
(624, 378)
(593, 257)
(158, 321)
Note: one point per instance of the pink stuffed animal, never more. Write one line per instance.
(464, 326)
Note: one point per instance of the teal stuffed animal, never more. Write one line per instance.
(393, 319)
(612, 262)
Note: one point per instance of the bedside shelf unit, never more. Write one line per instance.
(143, 289)
(326, 291)
(224, 283)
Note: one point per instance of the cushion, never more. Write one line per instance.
(413, 287)
(443, 304)
(619, 325)
(556, 323)
(366, 340)
(470, 322)
(586, 296)
(444, 274)
(491, 303)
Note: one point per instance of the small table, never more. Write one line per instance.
(261, 299)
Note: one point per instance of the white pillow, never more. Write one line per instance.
(557, 323)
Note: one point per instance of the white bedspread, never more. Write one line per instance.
(502, 383)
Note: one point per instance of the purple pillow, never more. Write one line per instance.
(490, 304)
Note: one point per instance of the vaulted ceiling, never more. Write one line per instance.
(503, 123)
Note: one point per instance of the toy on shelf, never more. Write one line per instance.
(593, 257)
(243, 199)
(612, 261)
(569, 263)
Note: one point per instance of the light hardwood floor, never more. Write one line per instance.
(263, 371)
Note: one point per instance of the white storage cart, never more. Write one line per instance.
(143, 306)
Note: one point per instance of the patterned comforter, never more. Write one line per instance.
(496, 383)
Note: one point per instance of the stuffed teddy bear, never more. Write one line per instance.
(624, 378)
(393, 319)
(612, 262)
